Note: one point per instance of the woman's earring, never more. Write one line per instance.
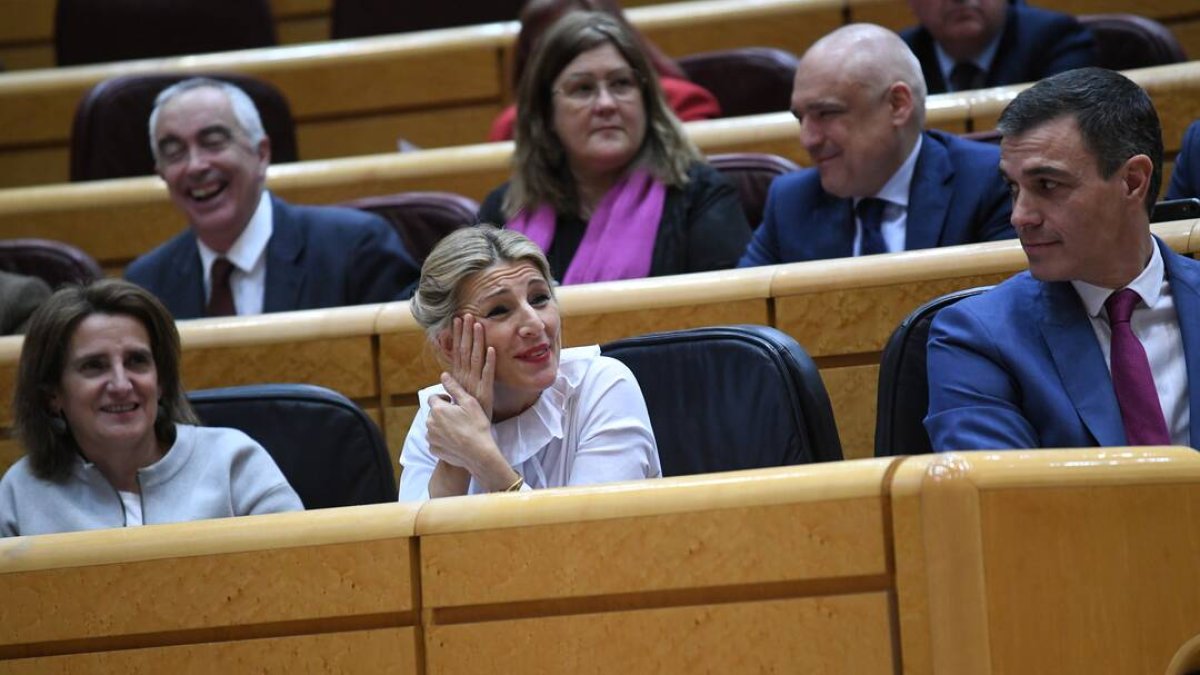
(58, 423)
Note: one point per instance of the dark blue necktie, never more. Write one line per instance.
(965, 76)
(870, 214)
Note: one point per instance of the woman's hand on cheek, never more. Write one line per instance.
(461, 435)
(472, 362)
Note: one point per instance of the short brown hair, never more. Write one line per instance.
(540, 168)
(44, 355)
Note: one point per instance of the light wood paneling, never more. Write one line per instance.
(843, 634)
(852, 394)
(392, 651)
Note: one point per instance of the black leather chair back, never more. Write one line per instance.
(903, 397)
(54, 262)
(751, 173)
(746, 81)
(1175, 209)
(97, 31)
(731, 397)
(357, 18)
(1125, 41)
(421, 218)
(327, 447)
(110, 137)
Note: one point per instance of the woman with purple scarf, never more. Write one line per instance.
(605, 181)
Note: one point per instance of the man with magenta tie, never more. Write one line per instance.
(1097, 343)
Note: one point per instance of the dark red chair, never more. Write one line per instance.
(1125, 41)
(110, 137)
(97, 31)
(54, 262)
(747, 81)
(751, 174)
(357, 18)
(421, 218)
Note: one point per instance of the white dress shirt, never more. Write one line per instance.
(895, 212)
(1156, 325)
(590, 426)
(248, 281)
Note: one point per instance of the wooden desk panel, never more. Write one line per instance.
(1065, 561)
(390, 650)
(226, 579)
(838, 634)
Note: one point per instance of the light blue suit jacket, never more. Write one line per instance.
(1019, 367)
(956, 197)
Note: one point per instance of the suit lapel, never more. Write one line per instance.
(285, 274)
(1184, 278)
(183, 286)
(928, 196)
(1080, 363)
(833, 236)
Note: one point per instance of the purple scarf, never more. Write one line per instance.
(619, 240)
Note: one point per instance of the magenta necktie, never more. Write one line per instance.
(1132, 380)
(220, 296)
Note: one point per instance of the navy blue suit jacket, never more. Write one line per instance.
(318, 256)
(1036, 43)
(1019, 367)
(1185, 179)
(956, 197)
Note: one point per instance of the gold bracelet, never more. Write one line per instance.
(516, 486)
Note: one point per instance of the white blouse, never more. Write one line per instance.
(590, 426)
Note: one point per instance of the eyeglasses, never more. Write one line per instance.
(582, 92)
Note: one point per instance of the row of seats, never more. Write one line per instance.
(108, 137)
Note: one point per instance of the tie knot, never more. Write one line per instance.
(965, 76)
(1120, 305)
(221, 269)
(870, 211)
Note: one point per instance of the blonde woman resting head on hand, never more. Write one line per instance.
(514, 411)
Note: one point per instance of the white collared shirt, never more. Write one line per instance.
(590, 426)
(895, 212)
(946, 63)
(1156, 324)
(248, 255)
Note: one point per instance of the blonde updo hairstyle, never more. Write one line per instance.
(455, 259)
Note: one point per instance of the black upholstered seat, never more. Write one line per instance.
(326, 446)
(731, 397)
(751, 174)
(54, 262)
(746, 81)
(421, 218)
(903, 396)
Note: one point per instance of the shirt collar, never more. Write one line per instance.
(247, 251)
(983, 60)
(1148, 285)
(895, 191)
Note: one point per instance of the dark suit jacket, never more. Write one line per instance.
(1036, 43)
(317, 256)
(1019, 367)
(1185, 179)
(19, 297)
(956, 197)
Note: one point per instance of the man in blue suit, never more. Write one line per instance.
(970, 44)
(1185, 179)
(879, 184)
(1099, 342)
(246, 251)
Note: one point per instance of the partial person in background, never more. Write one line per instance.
(604, 178)
(879, 183)
(689, 101)
(514, 411)
(1098, 344)
(19, 297)
(246, 251)
(1185, 179)
(109, 436)
(971, 44)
